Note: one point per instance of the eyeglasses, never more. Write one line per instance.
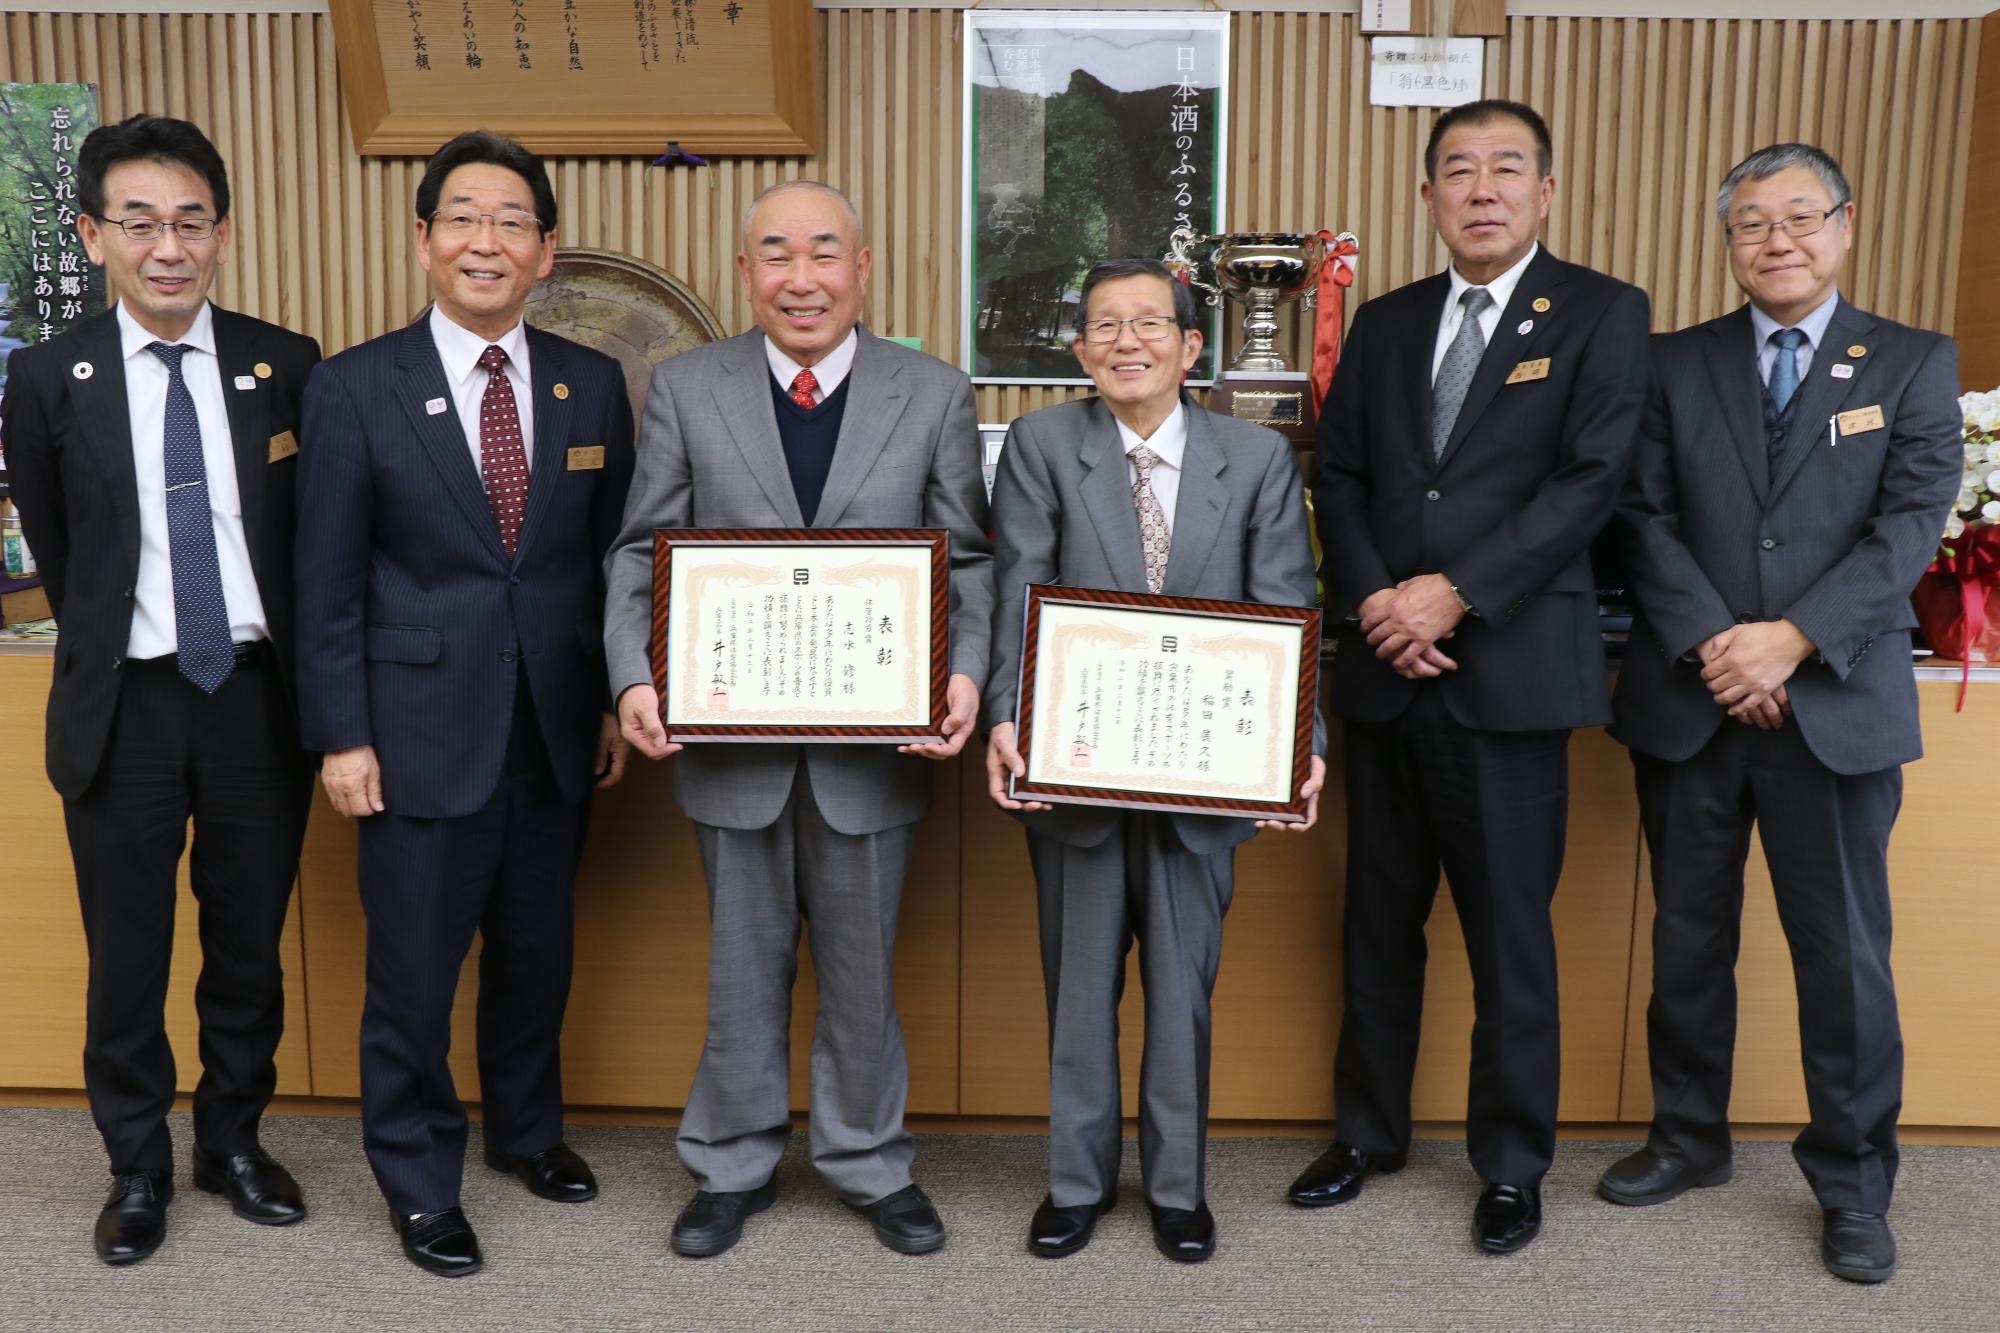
(145, 231)
(512, 224)
(1798, 224)
(1150, 328)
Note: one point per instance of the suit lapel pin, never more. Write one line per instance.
(246, 382)
(1526, 326)
(1541, 305)
(1843, 371)
(262, 370)
(435, 407)
(562, 391)
(1857, 350)
(83, 370)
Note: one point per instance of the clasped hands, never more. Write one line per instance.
(1746, 666)
(1405, 623)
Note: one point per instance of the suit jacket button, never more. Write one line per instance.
(1769, 545)
(128, 594)
(507, 655)
(1430, 495)
(117, 663)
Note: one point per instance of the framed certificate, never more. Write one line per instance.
(800, 634)
(1166, 703)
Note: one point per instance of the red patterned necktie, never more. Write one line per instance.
(804, 386)
(503, 457)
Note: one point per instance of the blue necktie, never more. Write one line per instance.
(1785, 370)
(201, 616)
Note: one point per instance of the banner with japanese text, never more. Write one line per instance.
(47, 283)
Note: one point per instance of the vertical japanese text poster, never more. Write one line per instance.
(1089, 136)
(47, 283)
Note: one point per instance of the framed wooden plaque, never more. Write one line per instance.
(801, 634)
(581, 76)
(1166, 703)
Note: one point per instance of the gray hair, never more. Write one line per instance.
(814, 187)
(1768, 162)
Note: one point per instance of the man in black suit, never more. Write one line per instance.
(1796, 464)
(465, 476)
(1472, 444)
(152, 451)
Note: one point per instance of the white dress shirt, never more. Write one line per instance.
(146, 377)
(1813, 326)
(1501, 289)
(460, 349)
(830, 371)
(1170, 443)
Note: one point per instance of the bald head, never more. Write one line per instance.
(818, 188)
(804, 268)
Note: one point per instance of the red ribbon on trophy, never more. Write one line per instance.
(1335, 275)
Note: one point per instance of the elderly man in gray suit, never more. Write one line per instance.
(1796, 464)
(809, 421)
(1141, 490)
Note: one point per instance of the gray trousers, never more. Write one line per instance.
(761, 884)
(1094, 900)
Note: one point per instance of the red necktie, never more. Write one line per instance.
(503, 460)
(803, 388)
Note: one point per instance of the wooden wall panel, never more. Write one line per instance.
(1979, 273)
(1647, 114)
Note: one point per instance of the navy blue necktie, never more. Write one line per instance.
(201, 615)
(1785, 370)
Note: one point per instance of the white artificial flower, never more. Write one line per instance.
(1990, 511)
(1993, 452)
(1966, 500)
(1993, 480)
(1953, 527)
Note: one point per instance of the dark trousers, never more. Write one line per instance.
(508, 872)
(1490, 807)
(1826, 840)
(231, 762)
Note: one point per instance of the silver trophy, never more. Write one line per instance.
(1263, 270)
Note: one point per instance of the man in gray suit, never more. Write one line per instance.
(1140, 490)
(810, 421)
(1796, 464)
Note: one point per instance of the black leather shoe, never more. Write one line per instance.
(1506, 1217)
(258, 1189)
(905, 1221)
(553, 1173)
(1647, 1177)
(1858, 1246)
(711, 1223)
(134, 1219)
(443, 1242)
(1336, 1175)
(1183, 1235)
(1057, 1231)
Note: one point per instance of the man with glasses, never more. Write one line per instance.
(1140, 490)
(152, 454)
(462, 479)
(1795, 467)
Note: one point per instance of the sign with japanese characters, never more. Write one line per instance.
(1146, 702)
(47, 282)
(1425, 71)
(1088, 136)
(581, 76)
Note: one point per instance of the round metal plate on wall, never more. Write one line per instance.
(624, 307)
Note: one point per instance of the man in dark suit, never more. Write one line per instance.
(461, 482)
(1796, 465)
(1139, 490)
(1471, 446)
(809, 420)
(152, 451)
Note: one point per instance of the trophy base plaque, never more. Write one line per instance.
(1281, 400)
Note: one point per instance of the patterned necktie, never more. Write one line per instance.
(201, 614)
(1461, 362)
(1785, 370)
(1155, 538)
(503, 458)
(803, 388)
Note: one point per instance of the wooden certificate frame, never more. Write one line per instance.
(1149, 685)
(581, 77)
(779, 634)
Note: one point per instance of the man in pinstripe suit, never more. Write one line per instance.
(461, 481)
(1795, 467)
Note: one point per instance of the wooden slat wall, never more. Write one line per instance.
(1647, 115)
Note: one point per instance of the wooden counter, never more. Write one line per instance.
(969, 979)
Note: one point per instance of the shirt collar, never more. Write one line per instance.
(460, 348)
(1169, 441)
(1813, 325)
(829, 372)
(1501, 289)
(134, 338)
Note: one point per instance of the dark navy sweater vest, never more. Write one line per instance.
(809, 435)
